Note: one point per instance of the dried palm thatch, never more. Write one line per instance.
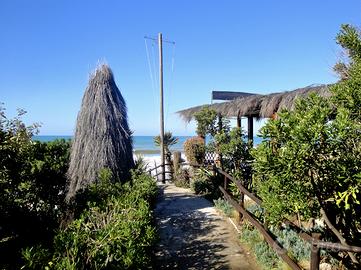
(102, 137)
(259, 106)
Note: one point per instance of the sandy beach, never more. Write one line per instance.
(154, 160)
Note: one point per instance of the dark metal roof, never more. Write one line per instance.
(228, 95)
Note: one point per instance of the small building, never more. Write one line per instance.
(243, 104)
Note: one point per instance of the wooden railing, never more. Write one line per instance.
(314, 239)
(156, 167)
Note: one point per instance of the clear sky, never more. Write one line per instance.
(48, 48)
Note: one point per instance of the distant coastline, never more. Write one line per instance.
(143, 145)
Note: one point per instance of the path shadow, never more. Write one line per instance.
(189, 238)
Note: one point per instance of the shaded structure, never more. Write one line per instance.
(257, 106)
(102, 137)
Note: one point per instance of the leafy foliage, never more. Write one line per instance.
(194, 149)
(297, 248)
(182, 178)
(309, 163)
(206, 120)
(202, 182)
(233, 147)
(32, 186)
(169, 140)
(265, 256)
(109, 234)
(110, 224)
(223, 206)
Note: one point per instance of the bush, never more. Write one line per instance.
(290, 240)
(115, 233)
(201, 186)
(32, 185)
(223, 206)
(265, 256)
(182, 178)
(202, 182)
(309, 166)
(194, 149)
(206, 122)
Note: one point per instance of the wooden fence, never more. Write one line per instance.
(156, 167)
(314, 239)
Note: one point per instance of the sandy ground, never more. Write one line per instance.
(153, 161)
(194, 236)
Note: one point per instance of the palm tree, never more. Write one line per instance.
(169, 140)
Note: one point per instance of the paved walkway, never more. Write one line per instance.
(194, 236)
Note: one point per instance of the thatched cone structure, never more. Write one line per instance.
(102, 137)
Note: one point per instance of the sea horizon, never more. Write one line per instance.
(142, 144)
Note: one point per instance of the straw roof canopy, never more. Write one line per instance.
(259, 106)
(102, 137)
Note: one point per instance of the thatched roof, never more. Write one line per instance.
(259, 106)
(102, 137)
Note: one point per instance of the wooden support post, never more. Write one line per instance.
(225, 183)
(156, 170)
(239, 121)
(220, 127)
(241, 204)
(250, 129)
(315, 253)
(214, 169)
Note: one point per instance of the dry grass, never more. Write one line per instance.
(102, 137)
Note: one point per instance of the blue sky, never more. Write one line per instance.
(49, 48)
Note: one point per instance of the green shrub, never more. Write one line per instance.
(182, 178)
(290, 240)
(194, 149)
(265, 256)
(32, 185)
(206, 120)
(309, 165)
(297, 248)
(224, 206)
(202, 182)
(113, 233)
(201, 186)
(233, 147)
(257, 211)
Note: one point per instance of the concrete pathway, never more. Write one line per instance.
(194, 236)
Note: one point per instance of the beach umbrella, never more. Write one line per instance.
(102, 137)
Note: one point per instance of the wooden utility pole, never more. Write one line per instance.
(160, 45)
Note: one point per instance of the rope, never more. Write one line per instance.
(149, 64)
(156, 74)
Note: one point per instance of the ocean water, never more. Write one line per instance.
(141, 144)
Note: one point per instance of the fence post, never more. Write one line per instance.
(241, 203)
(315, 252)
(156, 170)
(225, 182)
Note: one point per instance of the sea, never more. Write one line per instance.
(143, 145)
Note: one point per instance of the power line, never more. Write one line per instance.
(170, 82)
